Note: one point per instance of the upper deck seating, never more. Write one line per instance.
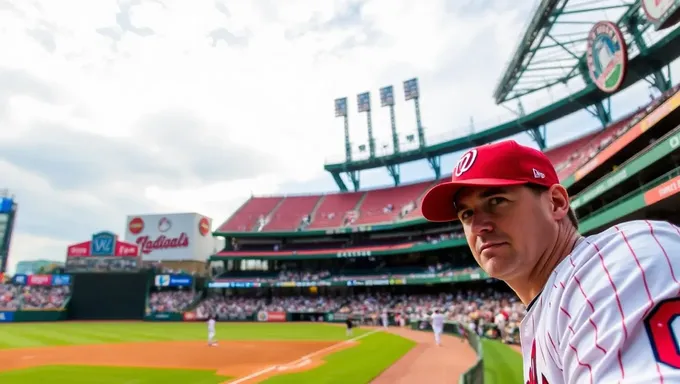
(247, 217)
(290, 214)
(332, 210)
(384, 205)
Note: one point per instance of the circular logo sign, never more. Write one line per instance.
(262, 316)
(136, 226)
(656, 10)
(607, 56)
(164, 224)
(465, 163)
(203, 226)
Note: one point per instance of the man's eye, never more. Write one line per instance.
(496, 200)
(464, 214)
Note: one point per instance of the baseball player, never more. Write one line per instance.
(211, 331)
(437, 320)
(600, 309)
(349, 325)
(385, 320)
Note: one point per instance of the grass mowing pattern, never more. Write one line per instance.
(358, 364)
(108, 375)
(502, 364)
(26, 335)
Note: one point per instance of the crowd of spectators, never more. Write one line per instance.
(229, 307)
(434, 270)
(15, 297)
(491, 313)
(303, 304)
(170, 301)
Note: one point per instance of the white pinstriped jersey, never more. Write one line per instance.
(610, 312)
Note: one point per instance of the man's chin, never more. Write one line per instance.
(498, 270)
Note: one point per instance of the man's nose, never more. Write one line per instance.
(481, 223)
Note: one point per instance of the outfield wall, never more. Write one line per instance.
(32, 316)
(109, 296)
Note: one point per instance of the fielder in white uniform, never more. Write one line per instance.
(600, 309)
(211, 331)
(385, 320)
(437, 326)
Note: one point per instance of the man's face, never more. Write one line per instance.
(507, 229)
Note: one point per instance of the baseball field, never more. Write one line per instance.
(142, 353)
(160, 352)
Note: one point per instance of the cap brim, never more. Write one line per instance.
(437, 205)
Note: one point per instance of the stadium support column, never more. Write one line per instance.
(411, 92)
(387, 100)
(364, 104)
(436, 165)
(393, 170)
(538, 134)
(603, 114)
(354, 178)
(659, 80)
(341, 111)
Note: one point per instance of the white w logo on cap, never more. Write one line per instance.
(465, 163)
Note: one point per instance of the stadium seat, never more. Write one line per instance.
(333, 208)
(246, 218)
(290, 213)
(374, 210)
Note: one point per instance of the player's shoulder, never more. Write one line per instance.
(644, 237)
(629, 249)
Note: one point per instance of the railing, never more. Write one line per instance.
(654, 183)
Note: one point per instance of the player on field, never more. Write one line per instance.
(385, 319)
(600, 309)
(437, 326)
(349, 325)
(212, 341)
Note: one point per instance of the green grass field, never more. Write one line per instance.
(502, 364)
(372, 355)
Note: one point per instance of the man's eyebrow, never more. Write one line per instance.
(488, 192)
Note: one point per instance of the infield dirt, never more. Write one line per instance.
(236, 359)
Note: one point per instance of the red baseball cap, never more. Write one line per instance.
(492, 165)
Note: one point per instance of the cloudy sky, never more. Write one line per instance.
(110, 108)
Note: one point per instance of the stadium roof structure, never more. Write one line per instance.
(553, 48)
(551, 52)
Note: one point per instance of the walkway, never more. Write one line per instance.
(427, 363)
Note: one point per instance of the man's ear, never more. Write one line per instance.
(560, 201)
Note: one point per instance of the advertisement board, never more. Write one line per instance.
(171, 237)
(41, 280)
(102, 253)
(271, 317)
(173, 280)
(6, 204)
(6, 317)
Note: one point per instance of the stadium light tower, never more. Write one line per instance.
(364, 105)
(387, 100)
(411, 92)
(341, 111)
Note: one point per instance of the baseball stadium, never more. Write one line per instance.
(285, 275)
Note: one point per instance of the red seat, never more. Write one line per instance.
(246, 217)
(374, 210)
(289, 215)
(331, 213)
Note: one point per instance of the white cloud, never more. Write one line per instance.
(111, 108)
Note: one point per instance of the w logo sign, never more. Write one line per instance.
(103, 244)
